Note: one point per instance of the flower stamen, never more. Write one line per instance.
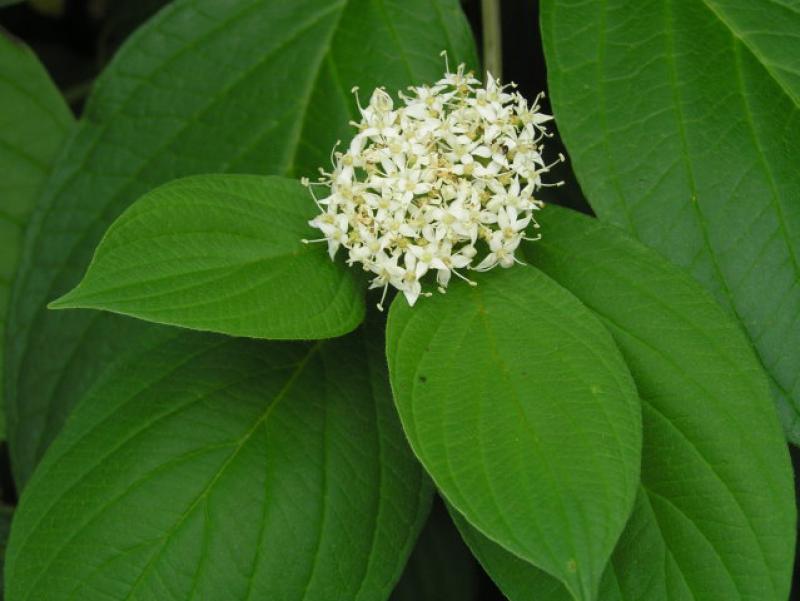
(443, 182)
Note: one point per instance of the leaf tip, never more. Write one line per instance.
(67, 301)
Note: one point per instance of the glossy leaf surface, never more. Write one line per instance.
(247, 86)
(222, 253)
(681, 119)
(518, 404)
(714, 517)
(216, 468)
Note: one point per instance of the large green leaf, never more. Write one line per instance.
(681, 119)
(517, 402)
(715, 516)
(218, 468)
(516, 578)
(259, 86)
(441, 568)
(222, 253)
(34, 121)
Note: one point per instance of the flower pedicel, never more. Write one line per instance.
(444, 182)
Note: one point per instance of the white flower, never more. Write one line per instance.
(501, 252)
(434, 181)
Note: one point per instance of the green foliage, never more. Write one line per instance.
(516, 578)
(715, 469)
(202, 87)
(218, 468)
(681, 120)
(34, 120)
(601, 429)
(222, 253)
(716, 479)
(519, 405)
(441, 568)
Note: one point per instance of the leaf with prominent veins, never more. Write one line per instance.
(34, 123)
(219, 468)
(258, 86)
(714, 516)
(681, 118)
(517, 402)
(222, 253)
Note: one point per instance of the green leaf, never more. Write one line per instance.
(715, 516)
(518, 404)
(715, 469)
(220, 468)
(258, 86)
(681, 121)
(516, 578)
(441, 567)
(34, 121)
(119, 20)
(222, 253)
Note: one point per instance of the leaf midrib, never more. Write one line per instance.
(669, 35)
(36, 242)
(227, 270)
(620, 386)
(749, 115)
(752, 49)
(36, 239)
(668, 359)
(534, 438)
(237, 446)
(695, 202)
(99, 136)
(69, 448)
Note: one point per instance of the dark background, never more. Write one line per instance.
(75, 39)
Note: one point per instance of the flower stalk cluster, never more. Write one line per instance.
(444, 182)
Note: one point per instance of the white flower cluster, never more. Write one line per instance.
(444, 182)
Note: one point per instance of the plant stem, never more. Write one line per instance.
(492, 38)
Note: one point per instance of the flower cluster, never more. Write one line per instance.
(445, 182)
